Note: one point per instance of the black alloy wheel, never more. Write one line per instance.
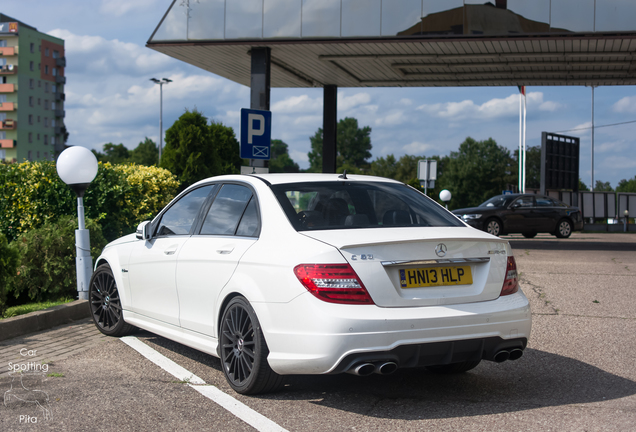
(493, 226)
(564, 229)
(244, 351)
(454, 368)
(105, 303)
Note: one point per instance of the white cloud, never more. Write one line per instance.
(297, 104)
(100, 57)
(346, 103)
(625, 105)
(417, 148)
(391, 119)
(122, 7)
(618, 162)
(494, 108)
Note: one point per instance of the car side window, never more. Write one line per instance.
(227, 210)
(249, 225)
(524, 202)
(178, 219)
(545, 202)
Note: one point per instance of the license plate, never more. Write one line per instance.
(435, 276)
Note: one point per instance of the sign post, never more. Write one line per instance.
(427, 173)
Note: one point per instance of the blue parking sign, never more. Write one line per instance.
(256, 134)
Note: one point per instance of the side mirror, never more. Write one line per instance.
(143, 231)
(515, 206)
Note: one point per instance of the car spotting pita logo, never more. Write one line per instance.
(22, 391)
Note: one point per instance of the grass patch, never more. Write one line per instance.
(32, 307)
(55, 375)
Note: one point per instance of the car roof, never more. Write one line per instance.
(313, 177)
(275, 179)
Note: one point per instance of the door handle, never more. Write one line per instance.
(171, 250)
(226, 250)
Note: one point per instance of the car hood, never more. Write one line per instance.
(125, 239)
(469, 210)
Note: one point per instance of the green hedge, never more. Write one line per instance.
(46, 264)
(8, 264)
(120, 197)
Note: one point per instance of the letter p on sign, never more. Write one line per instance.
(251, 131)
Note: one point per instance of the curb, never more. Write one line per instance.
(44, 319)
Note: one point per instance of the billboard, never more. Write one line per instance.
(8, 27)
(559, 162)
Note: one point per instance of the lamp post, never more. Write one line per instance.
(445, 196)
(161, 82)
(77, 167)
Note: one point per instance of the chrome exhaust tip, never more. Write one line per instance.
(386, 368)
(363, 369)
(515, 354)
(502, 356)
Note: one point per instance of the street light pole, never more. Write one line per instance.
(161, 82)
(77, 167)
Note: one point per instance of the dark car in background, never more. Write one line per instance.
(527, 214)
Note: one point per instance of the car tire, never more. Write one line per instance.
(530, 235)
(493, 226)
(105, 303)
(564, 228)
(454, 368)
(244, 352)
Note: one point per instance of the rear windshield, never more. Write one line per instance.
(344, 205)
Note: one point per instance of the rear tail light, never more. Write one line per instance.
(333, 283)
(511, 283)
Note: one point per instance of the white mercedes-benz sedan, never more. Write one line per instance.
(283, 274)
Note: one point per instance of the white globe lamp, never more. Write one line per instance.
(77, 167)
(445, 196)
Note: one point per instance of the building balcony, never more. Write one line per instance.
(7, 88)
(60, 62)
(59, 113)
(8, 69)
(8, 51)
(8, 124)
(58, 96)
(7, 143)
(8, 106)
(60, 79)
(58, 130)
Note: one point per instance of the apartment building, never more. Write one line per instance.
(31, 93)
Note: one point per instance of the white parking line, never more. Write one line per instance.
(239, 409)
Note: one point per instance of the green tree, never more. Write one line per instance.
(146, 153)
(190, 153)
(227, 147)
(353, 146)
(384, 167)
(280, 161)
(627, 185)
(476, 172)
(113, 153)
(582, 186)
(603, 186)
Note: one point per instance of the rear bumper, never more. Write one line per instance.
(308, 336)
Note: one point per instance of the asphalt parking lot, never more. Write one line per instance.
(578, 373)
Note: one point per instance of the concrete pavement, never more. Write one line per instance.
(578, 372)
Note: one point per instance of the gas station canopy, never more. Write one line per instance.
(402, 43)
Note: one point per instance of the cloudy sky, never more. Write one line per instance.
(109, 97)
